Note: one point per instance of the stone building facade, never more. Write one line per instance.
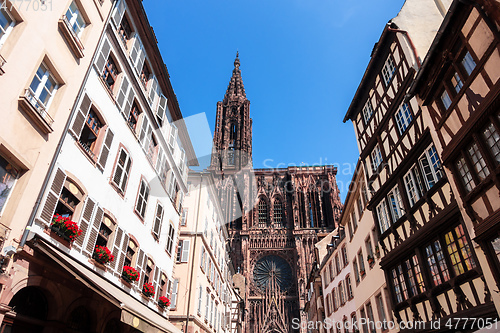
(275, 216)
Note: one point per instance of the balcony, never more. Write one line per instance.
(2, 63)
(71, 38)
(36, 111)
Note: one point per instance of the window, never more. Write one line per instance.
(183, 251)
(278, 212)
(207, 306)
(262, 213)
(341, 293)
(376, 157)
(105, 230)
(6, 24)
(130, 254)
(133, 117)
(356, 270)
(148, 271)
(170, 239)
(8, 176)
(459, 251)
(184, 216)
(332, 272)
(403, 117)
(468, 63)
(383, 216)
(437, 263)
(69, 199)
(492, 139)
(161, 287)
(445, 99)
(456, 82)
(142, 199)
(465, 174)
(361, 264)
(369, 252)
(477, 161)
(381, 309)
(90, 133)
(75, 19)
(145, 76)
(348, 287)
(388, 70)
(42, 88)
(367, 111)
(173, 297)
(158, 220)
(345, 260)
(399, 284)
(110, 73)
(202, 259)
(396, 204)
(200, 299)
(371, 323)
(411, 181)
(431, 166)
(122, 170)
(407, 279)
(125, 31)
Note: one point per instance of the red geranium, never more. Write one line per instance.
(148, 289)
(67, 227)
(130, 273)
(163, 302)
(103, 255)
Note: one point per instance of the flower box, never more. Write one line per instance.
(130, 274)
(148, 290)
(102, 255)
(98, 264)
(163, 302)
(65, 228)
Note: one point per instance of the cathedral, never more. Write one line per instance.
(274, 216)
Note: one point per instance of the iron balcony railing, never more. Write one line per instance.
(38, 106)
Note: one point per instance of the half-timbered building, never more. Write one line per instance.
(430, 265)
(458, 87)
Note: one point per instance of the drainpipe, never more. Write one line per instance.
(410, 41)
(61, 141)
(194, 252)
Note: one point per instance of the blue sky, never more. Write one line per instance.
(301, 62)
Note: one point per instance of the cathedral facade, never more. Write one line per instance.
(274, 216)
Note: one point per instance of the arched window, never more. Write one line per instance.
(278, 213)
(70, 197)
(79, 320)
(262, 213)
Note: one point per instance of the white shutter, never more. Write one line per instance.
(136, 49)
(172, 137)
(84, 223)
(103, 158)
(103, 56)
(182, 161)
(123, 92)
(123, 254)
(171, 185)
(117, 248)
(162, 107)
(160, 161)
(128, 104)
(118, 13)
(156, 278)
(140, 61)
(145, 129)
(125, 174)
(53, 196)
(185, 251)
(81, 116)
(153, 92)
(173, 298)
(94, 231)
(141, 258)
(158, 219)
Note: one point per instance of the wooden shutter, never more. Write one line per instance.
(145, 129)
(136, 48)
(160, 161)
(119, 168)
(162, 107)
(126, 173)
(158, 219)
(156, 278)
(123, 92)
(182, 161)
(173, 298)
(172, 137)
(94, 231)
(117, 247)
(185, 251)
(105, 148)
(84, 222)
(128, 104)
(53, 196)
(118, 14)
(140, 61)
(152, 91)
(123, 253)
(141, 259)
(81, 116)
(103, 56)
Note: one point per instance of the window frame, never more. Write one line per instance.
(142, 199)
(403, 117)
(46, 76)
(170, 239)
(386, 76)
(121, 186)
(5, 32)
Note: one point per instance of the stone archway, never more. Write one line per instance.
(31, 310)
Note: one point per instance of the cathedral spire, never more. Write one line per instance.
(235, 89)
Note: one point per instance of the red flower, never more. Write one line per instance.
(67, 227)
(148, 289)
(163, 302)
(130, 273)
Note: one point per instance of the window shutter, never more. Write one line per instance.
(156, 277)
(162, 107)
(103, 56)
(116, 248)
(141, 259)
(140, 61)
(172, 137)
(120, 166)
(123, 253)
(81, 116)
(125, 175)
(158, 219)
(53, 196)
(185, 251)
(105, 148)
(84, 222)
(94, 231)
(128, 104)
(182, 161)
(123, 92)
(118, 14)
(173, 298)
(152, 91)
(136, 48)
(160, 160)
(144, 130)
(171, 185)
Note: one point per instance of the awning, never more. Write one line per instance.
(134, 313)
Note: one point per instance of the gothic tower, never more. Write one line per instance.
(274, 216)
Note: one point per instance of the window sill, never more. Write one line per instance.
(38, 115)
(71, 38)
